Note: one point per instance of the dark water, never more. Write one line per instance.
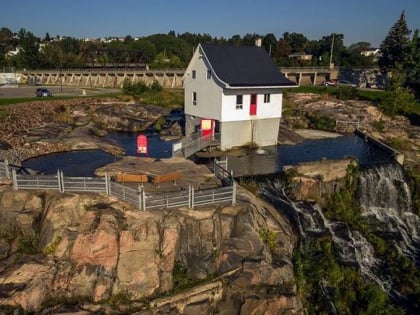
(74, 163)
(157, 147)
(85, 162)
(274, 158)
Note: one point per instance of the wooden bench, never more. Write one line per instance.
(166, 178)
(131, 178)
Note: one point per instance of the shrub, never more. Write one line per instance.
(346, 93)
(321, 122)
(269, 238)
(156, 87)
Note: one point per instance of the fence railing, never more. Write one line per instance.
(5, 169)
(137, 197)
(193, 143)
(220, 170)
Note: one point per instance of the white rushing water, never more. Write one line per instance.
(385, 201)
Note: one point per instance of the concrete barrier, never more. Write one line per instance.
(398, 156)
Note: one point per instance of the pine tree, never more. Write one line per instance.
(395, 45)
(412, 63)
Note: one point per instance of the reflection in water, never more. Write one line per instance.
(276, 157)
(157, 147)
(73, 163)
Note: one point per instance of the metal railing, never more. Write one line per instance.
(137, 197)
(5, 169)
(193, 143)
(220, 170)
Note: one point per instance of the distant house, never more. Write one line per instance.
(375, 53)
(235, 91)
(14, 52)
(301, 56)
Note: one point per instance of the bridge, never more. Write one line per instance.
(168, 78)
(193, 143)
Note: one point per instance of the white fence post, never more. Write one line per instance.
(233, 194)
(139, 190)
(14, 178)
(143, 199)
(107, 184)
(192, 197)
(6, 166)
(60, 181)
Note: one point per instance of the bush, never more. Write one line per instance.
(134, 88)
(156, 87)
(321, 122)
(346, 93)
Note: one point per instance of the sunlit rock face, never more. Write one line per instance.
(88, 248)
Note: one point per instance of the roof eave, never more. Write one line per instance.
(237, 87)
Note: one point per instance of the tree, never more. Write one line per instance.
(269, 42)
(397, 98)
(28, 57)
(298, 42)
(395, 45)
(412, 63)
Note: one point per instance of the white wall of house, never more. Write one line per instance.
(214, 101)
(209, 93)
(230, 112)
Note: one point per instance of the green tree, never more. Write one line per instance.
(395, 45)
(397, 98)
(29, 56)
(269, 42)
(412, 63)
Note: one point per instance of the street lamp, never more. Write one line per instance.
(331, 51)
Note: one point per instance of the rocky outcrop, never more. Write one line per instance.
(69, 251)
(318, 179)
(36, 128)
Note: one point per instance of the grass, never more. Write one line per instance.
(172, 98)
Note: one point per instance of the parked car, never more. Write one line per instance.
(42, 92)
(346, 83)
(329, 83)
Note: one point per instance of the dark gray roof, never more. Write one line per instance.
(244, 66)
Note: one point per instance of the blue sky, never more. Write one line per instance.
(358, 20)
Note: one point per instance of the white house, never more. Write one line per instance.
(235, 91)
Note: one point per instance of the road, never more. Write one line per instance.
(29, 91)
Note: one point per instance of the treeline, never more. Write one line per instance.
(168, 50)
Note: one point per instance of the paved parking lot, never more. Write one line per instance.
(29, 91)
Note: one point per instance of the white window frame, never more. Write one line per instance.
(239, 101)
(267, 97)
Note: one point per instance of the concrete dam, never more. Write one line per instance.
(168, 78)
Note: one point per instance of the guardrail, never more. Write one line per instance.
(137, 197)
(193, 143)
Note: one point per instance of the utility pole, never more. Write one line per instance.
(331, 52)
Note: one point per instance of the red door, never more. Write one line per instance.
(206, 127)
(253, 105)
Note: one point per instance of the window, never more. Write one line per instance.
(239, 102)
(208, 76)
(194, 98)
(266, 98)
(193, 74)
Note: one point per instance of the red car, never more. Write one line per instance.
(330, 83)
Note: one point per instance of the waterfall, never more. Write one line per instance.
(385, 201)
(351, 246)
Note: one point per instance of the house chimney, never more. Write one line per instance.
(258, 42)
